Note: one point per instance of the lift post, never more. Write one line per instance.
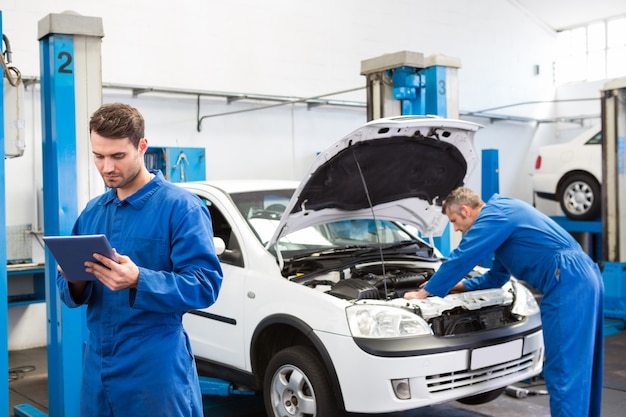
(406, 83)
(613, 100)
(71, 89)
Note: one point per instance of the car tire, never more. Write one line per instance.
(579, 197)
(482, 398)
(297, 384)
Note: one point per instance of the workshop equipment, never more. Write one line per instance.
(518, 392)
(614, 204)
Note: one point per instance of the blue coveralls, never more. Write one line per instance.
(138, 359)
(532, 247)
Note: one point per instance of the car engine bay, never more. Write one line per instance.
(454, 314)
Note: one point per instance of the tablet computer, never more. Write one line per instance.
(71, 253)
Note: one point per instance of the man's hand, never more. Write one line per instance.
(114, 275)
(422, 293)
(412, 295)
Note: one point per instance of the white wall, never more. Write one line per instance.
(296, 48)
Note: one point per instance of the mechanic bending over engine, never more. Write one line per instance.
(532, 247)
(138, 359)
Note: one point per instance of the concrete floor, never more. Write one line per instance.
(30, 386)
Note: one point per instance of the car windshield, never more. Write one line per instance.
(264, 209)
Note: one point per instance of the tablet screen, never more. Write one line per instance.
(71, 253)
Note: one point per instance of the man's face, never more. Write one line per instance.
(118, 161)
(463, 220)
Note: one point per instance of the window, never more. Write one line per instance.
(596, 140)
(222, 229)
(592, 52)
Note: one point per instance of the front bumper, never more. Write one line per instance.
(458, 367)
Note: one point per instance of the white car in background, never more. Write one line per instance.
(311, 310)
(571, 173)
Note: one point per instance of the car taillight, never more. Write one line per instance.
(538, 162)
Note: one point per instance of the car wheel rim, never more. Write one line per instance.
(292, 393)
(578, 197)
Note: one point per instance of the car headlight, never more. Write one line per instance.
(525, 303)
(377, 322)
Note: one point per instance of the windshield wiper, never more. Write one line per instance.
(422, 251)
(351, 250)
(402, 244)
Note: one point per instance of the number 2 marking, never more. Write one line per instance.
(67, 57)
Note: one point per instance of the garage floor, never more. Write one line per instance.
(28, 384)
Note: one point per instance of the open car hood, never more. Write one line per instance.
(398, 168)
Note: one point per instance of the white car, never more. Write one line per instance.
(311, 310)
(571, 173)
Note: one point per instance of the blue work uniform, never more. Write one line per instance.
(138, 360)
(532, 247)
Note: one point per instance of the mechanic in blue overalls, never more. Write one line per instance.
(532, 247)
(138, 359)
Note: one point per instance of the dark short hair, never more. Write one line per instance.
(458, 197)
(118, 121)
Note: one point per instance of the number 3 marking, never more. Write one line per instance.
(442, 87)
(67, 57)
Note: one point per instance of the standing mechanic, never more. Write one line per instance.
(138, 360)
(532, 247)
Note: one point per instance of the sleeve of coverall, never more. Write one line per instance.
(197, 275)
(496, 277)
(66, 296)
(490, 229)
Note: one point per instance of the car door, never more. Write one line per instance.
(216, 332)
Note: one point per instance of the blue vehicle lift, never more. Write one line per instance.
(220, 404)
(223, 399)
(614, 206)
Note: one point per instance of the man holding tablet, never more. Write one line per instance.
(138, 360)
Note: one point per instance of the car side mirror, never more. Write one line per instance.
(219, 244)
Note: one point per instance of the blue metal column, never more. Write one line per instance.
(4, 337)
(59, 173)
(490, 184)
(490, 180)
(442, 86)
(64, 106)
(441, 95)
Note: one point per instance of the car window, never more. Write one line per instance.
(349, 234)
(266, 204)
(264, 209)
(221, 228)
(597, 139)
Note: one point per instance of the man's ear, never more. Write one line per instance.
(466, 210)
(143, 145)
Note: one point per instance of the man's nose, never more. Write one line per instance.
(108, 165)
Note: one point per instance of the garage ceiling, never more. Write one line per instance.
(563, 14)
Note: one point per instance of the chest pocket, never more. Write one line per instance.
(148, 252)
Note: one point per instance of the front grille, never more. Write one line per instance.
(454, 380)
